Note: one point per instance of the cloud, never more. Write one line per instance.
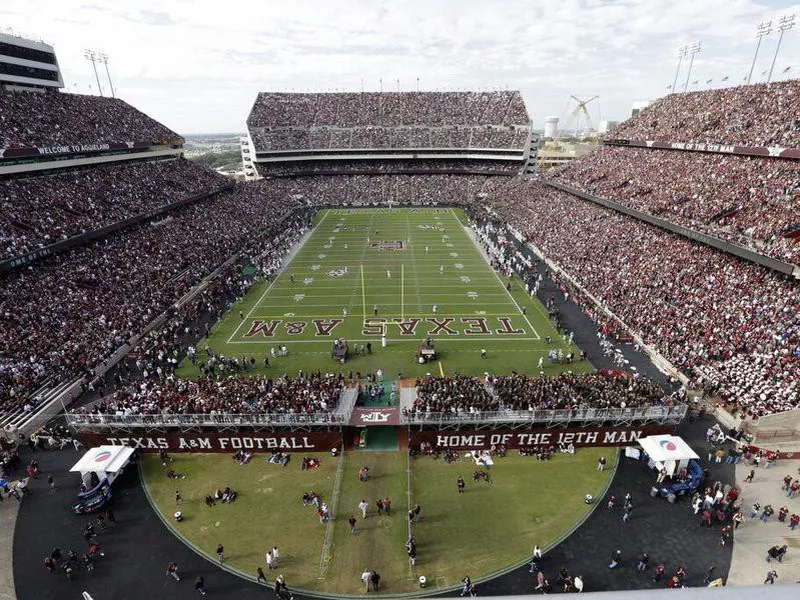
(205, 74)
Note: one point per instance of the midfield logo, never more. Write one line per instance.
(394, 245)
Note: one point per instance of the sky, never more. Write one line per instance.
(197, 65)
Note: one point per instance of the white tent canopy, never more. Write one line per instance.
(669, 452)
(105, 461)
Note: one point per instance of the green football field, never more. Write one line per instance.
(400, 274)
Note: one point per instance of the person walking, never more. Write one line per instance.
(460, 484)
(749, 478)
(659, 573)
(417, 510)
(467, 582)
(379, 504)
(363, 506)
(771, 577)
(52, 483)
(616, 559)
(366, 579)
(601, 463)
(220, 553)
(276, 555)
(738, 519)
(352, 522)
(626, 514)
(261, 577)
(375, 580)
(642, 564)
(270, 559)
(387, 506)
(178, 498)
(411, 550)
(200, 585)
(281, 589)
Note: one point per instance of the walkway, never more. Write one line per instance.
(753, 538)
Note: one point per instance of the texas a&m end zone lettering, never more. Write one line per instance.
(376, 326)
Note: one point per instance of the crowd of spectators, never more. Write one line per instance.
(399, 167)
(461, 394)
(744, 200)
(68, 313)
(38, 211)
(302, 395)
(496, 119)
(456, 394)
(478, 136)
(567, 391)
(388, 109)
(706, 311)
(764, 114)
(52, 119)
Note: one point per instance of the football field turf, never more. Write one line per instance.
(487, 529)
(406, 274)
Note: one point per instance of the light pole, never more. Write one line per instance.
(92, 56)
(103, 58)
(682, 51)
(762, 31)
(694, 48)
(785, 23)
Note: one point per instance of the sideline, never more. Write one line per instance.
(9, 510)
(324, 557)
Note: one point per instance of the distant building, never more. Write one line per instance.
(28, 63)
(606, 126)
(637, 107)
(551, 127)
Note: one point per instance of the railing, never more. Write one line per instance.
(652, 413)
(88, 421)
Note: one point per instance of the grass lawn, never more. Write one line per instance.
(399, 264)
(379, 542)
(485, 530)
(492, 527)
(268, 511)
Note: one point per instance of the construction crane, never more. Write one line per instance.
(576, 117)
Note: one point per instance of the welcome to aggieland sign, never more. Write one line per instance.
(515, 439)
(308, 441)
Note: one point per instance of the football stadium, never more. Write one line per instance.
(393, 354)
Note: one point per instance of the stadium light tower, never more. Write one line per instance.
(92, 56)
(693, 49)
(785, 23)
(682, 51)
(762, 31)
(103, 58)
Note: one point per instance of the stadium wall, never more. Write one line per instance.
(293, 440)
(216, 441)
(473, 439)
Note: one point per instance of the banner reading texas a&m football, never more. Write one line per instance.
(303, 441)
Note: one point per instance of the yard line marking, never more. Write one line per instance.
(363, 294)
(441, 370)
(402, 291)
(500, 281)
(274, 281)
(326, 544)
